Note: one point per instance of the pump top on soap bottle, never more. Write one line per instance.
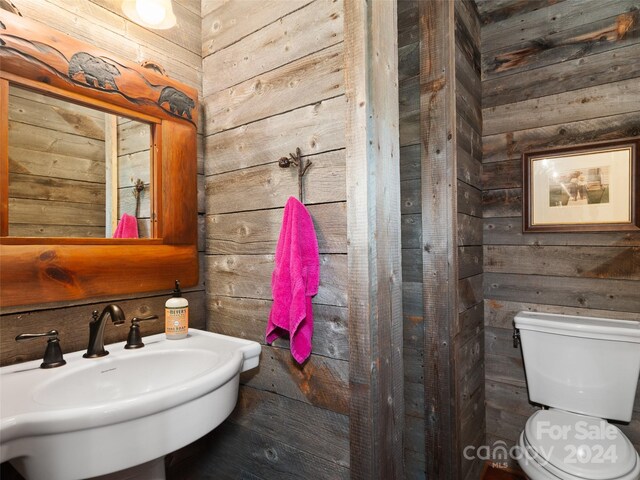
(176, 314)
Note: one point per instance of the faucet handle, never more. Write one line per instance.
(53, 353)
(134, 340)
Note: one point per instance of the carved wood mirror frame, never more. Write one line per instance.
(43, 270)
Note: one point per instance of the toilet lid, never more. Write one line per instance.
(582, 446)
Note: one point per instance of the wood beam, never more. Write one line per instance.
(439, 207)
(373, 217)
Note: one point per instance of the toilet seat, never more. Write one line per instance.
(559, 444)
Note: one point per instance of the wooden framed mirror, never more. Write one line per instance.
(91, 146)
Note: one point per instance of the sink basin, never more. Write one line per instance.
(96, 416)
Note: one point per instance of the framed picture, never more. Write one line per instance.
(586, 188)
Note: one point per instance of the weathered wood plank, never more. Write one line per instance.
(38, 139)
(469, 199)
(469, 230)
(605, 294)
(269, 186)
(314, 129)
(509, 370)
(513, 398)
(469, 292)
(468, 104)
(410, 129)
(502, 202)
(469, 324)
(469, 261)
(257, 231)
(54, 115)
(247, 318)
(469, 168)
(321, 381)
(303, 82)
(410, 191)
(23, 160)
(264, 412)
(508, 231)
(582, 104)
(235, 451)
(249, 276)
(507, 424)
(514, 143)
(376, 413)
(55, 213)
(408, 58)
(411, 231)
(553, 18)
(413, 365)
(412, 265)
(500, 313)
(407, 22)
(495, 10)
(410, 162)
(601, 36)
(29, 230)
(409, 96)
(582, 72)
(132, 167)
(438, 121)
(469, 138)
(224, 22)
(55, 189)
(571, 261)
(507, 174)
(412, 309)
(499, 341)
(302, 32)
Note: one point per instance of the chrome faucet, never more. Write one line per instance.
(96, 330)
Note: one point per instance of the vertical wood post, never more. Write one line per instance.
(4, 153)
(373, 219)
(111, 178)
(439, 220)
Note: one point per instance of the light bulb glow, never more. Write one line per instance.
(150, 11)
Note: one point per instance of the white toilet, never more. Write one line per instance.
(585, 370)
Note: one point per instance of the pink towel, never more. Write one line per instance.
(295, 280)
(127, 227)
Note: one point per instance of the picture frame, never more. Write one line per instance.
(584, 188)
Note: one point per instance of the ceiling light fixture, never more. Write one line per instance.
(156, 14)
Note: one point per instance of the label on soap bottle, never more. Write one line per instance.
(176, 321)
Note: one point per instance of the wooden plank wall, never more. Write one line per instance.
(134, 162)
(467, 330)
(553, 73)
(273, 81)
(102, 23)
(411, 238)
(56, 167)
(376, 373)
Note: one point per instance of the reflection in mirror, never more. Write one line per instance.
(75, 171)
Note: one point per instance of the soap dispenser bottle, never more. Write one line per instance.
(176, 314)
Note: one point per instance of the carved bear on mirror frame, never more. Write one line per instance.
(179, 103)
(97, 72)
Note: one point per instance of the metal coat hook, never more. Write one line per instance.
(296, 161)
(138, 188)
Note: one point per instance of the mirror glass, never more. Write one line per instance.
(75, 171)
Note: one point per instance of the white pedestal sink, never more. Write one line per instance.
(92, 417)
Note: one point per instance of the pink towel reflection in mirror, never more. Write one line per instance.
(127, 227)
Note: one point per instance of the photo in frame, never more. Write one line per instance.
(585, 188)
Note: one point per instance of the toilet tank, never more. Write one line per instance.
(581, 364)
